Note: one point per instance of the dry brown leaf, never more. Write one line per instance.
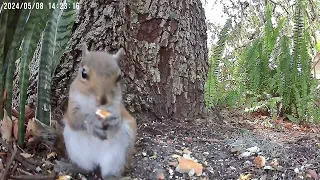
(31, 139)
(51, 155)
(288, 125)
(4, 98)
(6, 127)
(186, 165)
(161, 176)
(29, 112)
(212, 140)
(1, 166)
(34, 128)
(245, 177)
(26, 155)
(15, 128)
(259, 161)
(15, 113)
(176, 156)
(189, 139)
(66, 177)
(313, 173)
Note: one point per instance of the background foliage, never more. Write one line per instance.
(266, 60)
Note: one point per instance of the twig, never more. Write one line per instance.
(52, 176)
(14, 168)
(23, 171)
(15, 150)
(25, 163)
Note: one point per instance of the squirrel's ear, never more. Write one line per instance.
(119, 54)
(84, 49)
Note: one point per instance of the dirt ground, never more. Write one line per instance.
(217, 147)
(290, 153)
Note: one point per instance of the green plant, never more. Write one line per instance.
(55, 39)
(272, 73)
(55, 27)
(213, 89)
(3, 25)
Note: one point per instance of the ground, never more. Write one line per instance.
(292, 151)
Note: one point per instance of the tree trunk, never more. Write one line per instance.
(166, 53)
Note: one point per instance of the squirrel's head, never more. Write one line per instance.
(100, 74)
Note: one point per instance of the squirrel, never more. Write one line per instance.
(90, 142)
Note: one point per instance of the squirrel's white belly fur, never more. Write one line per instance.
(88, 151)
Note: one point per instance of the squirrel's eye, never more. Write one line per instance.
(118, 78)
(84, 74)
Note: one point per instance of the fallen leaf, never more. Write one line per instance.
(259, 161)
(15, 113)
(288, 125)
(29, 112)
(6, 127)
(245, 177)
(66, 177)
(161, 176)
(15, 128)
(1, 166)
(31, 139)
(26, 155)
(4, 98)
(175, 156)
(189, 139)
(186, 165)
(51, 155)
(34, 128)
(212, 140)
(313, 173)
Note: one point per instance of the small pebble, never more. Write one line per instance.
(38, 169)
(189, 139)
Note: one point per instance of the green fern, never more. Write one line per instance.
(212, 89)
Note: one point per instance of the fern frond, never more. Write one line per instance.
(211, 85)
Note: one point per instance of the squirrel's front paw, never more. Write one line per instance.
(100, 132)
(112, 120)
(96, 127)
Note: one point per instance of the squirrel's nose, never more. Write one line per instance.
(103, 100)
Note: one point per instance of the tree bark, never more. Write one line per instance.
(166, 53)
